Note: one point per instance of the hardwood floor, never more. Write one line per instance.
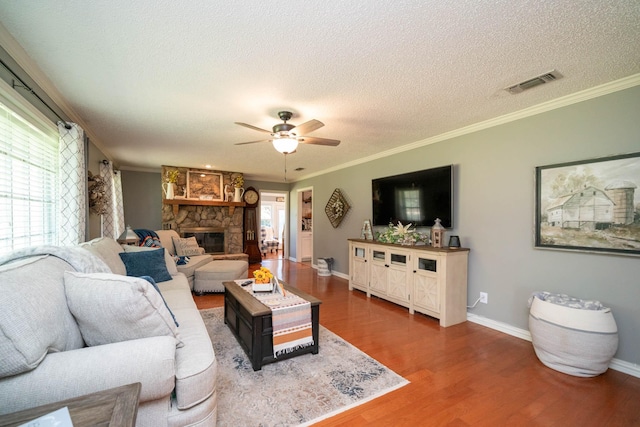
(463, 375)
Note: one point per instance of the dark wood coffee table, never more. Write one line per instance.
(116, 407)
(251, 323)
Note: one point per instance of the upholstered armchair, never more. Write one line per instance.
(268, 242)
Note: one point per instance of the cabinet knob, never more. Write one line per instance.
(386, 265)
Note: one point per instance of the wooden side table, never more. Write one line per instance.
(116, 407)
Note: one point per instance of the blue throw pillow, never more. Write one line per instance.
(155, 285)
(146, 263)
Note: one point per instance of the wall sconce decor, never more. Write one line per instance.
(336, 208)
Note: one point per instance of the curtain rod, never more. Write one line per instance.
(28, 89)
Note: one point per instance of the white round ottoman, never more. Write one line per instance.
(572, 336)
(209, 277)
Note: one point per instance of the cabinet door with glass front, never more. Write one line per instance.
(426, 287)
(398, 276)
(378, 268)
(359, 278)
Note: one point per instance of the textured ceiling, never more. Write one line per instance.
(163, 81)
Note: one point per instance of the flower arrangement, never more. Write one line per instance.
(238, 181)
(401, 234)
(172, 175)
(263, 275)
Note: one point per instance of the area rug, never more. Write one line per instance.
(297, 391)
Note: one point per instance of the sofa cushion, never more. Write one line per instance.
(169, 261)
(108, 250)
(166, 238)
(112, 308)
(34, 318)
(146, 263)
(187, 246)
(196, 366)
(155, 285)
(194, 263)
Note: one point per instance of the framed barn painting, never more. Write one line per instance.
(590, 205)
(204, 185)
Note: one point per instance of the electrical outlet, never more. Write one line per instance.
(484, 297)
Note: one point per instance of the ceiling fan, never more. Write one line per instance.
(285, 136)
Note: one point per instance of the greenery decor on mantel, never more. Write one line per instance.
(172, 176)
(402, 235)
(238, 181)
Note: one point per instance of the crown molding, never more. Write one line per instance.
(584, 95)
(21, 57)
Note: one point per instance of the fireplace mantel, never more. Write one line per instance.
(196, 202)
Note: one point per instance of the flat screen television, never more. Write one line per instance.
(415, 197)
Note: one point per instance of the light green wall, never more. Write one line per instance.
(494, 209)
(142, 199)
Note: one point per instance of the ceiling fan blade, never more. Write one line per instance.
(252, 142)
(252, 127)
(308, 127)
(319, 141)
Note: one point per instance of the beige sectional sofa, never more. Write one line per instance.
(73, 323)
(196, 261)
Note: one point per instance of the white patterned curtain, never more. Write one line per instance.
(113, 220)
(72, 185)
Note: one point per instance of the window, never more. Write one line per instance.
(28, 179)
(409, 203)
(266, 215)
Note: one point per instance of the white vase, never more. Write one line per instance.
(237, 197)
(169, 190)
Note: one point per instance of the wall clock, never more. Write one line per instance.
(336, 208)
(251, 235)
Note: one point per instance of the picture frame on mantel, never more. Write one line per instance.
(589, 205)
(204, 186)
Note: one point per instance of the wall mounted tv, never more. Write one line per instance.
(415, 197)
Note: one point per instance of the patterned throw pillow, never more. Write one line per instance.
(186, 246)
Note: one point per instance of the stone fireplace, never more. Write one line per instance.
(213, 219)
(221, 221)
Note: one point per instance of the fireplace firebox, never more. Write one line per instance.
(213, 240)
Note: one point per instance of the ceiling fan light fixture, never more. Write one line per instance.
(285, 145)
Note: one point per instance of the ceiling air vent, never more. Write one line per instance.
(536, 81)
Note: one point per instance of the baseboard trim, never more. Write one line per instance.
(333, 273)
(340, 275)
(628, 368)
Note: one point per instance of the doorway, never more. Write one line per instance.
(273, 224)
(304, 243)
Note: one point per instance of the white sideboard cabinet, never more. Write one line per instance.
(429, 280)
